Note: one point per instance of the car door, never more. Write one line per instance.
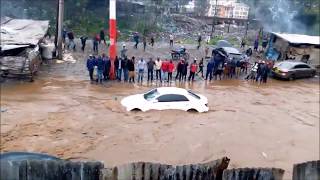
(162, 102)
(180, 102)
(306, 70)
(170, 101)
(298, 71)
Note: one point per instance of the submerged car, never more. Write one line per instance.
(293, 70)
(166, 98)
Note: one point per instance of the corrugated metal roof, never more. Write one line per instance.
(299, 38)
(22, 32)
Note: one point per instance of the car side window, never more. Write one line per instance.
(304, 66)
(301, 66)
(172, 98)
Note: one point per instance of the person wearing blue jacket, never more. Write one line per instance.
(210, 67)
(90, 66)
(100, 66)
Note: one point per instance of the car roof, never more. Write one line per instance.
(172, 90)
(223, 43)
(293, 63)
(232, 50)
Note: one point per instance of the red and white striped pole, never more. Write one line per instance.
(113, 36)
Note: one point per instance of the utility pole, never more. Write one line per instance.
(248, 22)
(214, 18)
(231, 18)
(113, 36)
(59, 28)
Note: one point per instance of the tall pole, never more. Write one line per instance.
(231, 18)
(214, 19)
(113, 36)
(59, 29)
(248, 21)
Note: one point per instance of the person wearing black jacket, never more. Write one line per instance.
(150, 66)
(125, 68)
(102, 37)
(107, 64)
(201, 68)
(131, 70)
(83, 42)
(118, 67)
(179, 70)
(71, 44)
(185, 71)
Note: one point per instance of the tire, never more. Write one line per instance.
(192, 110)
(135, 110)
(292, 77)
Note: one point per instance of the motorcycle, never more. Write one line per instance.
(178, 54)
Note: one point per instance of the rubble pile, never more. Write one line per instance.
(186, 28)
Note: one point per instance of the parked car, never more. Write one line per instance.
(293, 70)
(166, 98)
(227, 49)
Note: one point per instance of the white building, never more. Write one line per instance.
(228, 9)
(189, 7)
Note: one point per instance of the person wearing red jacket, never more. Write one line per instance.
(170, 70)
(193, 70)
(164, 67)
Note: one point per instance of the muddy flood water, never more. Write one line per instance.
(61, 113)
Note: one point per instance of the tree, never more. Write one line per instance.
(202, 7)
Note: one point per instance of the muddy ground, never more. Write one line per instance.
(62, 113)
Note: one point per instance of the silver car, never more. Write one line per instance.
(293, 70)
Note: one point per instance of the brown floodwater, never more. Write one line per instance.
(63, 114)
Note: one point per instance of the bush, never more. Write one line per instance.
(215, 39)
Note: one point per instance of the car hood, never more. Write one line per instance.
(133, 100)
(203, 99)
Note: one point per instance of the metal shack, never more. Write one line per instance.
(19, 49)
(294, 47)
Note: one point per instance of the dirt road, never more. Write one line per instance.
(61, 113)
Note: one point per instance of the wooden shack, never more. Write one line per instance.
(19, 50)
(294, 47)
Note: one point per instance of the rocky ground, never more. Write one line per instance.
(62, 113)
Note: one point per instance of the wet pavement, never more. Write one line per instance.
(63, 114)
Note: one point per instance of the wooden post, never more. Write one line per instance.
(59, 29)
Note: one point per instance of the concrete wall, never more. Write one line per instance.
(307, 171)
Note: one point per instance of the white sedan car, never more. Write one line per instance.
(166, 98)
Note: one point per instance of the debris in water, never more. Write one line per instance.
(264, 155)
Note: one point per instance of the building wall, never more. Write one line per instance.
(228, 9)
(298, 52)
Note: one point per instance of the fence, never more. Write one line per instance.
(214, 170)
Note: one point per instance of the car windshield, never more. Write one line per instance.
(193, 94)
(285, 65)
(151, 94)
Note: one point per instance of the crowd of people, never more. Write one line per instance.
(218, 67)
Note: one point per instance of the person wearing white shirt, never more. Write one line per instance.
(141, 65)
(158, 69)
(171, 40)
